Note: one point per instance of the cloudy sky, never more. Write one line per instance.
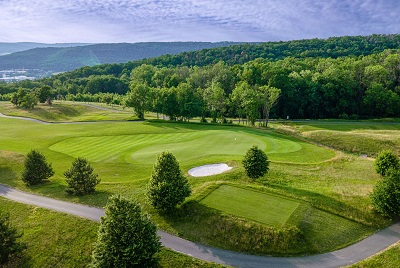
(111, 21)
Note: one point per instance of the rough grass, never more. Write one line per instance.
(58, 240)
(265, 208)
(387, 259)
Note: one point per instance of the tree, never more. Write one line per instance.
(255, 163)
(138, 98)
(385, 161)
(80, 178)
(36, 168)
(9, 246)
(270, 96)
(386, 194)
(126, 237)
(44, 94)
(167, 187)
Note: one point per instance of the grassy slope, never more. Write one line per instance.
(66, 111)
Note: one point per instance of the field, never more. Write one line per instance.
(322, 191)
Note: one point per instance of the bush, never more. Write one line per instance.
(385, 161)
(386, 194)
(36, 168)
(9, 246)
(126, 237)
(80, 178)
(167, 187)
(255, 163)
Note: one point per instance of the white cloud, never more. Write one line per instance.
(192, 20)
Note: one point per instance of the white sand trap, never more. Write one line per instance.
(208, 170)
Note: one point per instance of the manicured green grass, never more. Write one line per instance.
(144, 148)
(269, 209)
(119, 153)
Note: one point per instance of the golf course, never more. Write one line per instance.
(314, 199)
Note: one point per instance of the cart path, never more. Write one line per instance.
(346, 256)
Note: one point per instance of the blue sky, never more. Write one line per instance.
(112, 21)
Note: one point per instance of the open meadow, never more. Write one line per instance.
(314, 184)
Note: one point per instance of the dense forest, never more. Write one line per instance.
(352, 86)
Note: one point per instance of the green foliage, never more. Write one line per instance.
(24, 98)
(255, 163)
(167, 187)
(80, 178)
(126, 237)
(385, 161)
(9, 246)
(386, 194)
(44, 94)
(36, 168)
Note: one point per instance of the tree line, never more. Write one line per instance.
(346, 87)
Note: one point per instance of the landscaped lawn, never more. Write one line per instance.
(266, 208)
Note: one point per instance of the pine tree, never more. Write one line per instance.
(167, 187)
(36, 168)
(80, 178)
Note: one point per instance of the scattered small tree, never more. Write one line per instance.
(9, 246)
(126, 237)
(255, 163)
(167, 187)
(386, 194)
(80, 178)
(385, 161)
(36, 168)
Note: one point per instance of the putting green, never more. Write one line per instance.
(225, 145)
(261, 207)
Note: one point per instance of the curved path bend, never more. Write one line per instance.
(346, 256)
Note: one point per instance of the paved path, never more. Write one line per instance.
(346, 256)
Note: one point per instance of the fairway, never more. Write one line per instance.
(186, 146)
(265, 208)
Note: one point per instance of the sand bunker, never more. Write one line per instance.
(208, 170)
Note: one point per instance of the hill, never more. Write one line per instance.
(58, 59)
(8, 48)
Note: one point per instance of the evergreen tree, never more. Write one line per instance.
(386, 194)
(385, 161)
(167, 187)
(255, 163)
(80, 178)
(9, 246)
(36, 168)
(126, 237)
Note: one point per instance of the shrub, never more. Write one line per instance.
(167, 187)
(255, 163)
(386, 160)
(36, 168)
(80, 178)
(9, 246)
(126, 237)
(386, 194)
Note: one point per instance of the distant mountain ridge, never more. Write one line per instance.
(8, 48)
(60, 59)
